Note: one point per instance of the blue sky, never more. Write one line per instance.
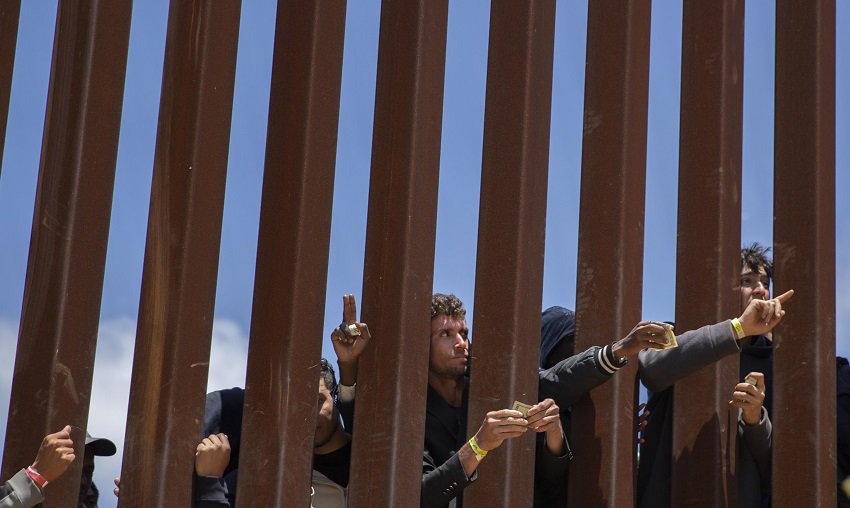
(466, 65)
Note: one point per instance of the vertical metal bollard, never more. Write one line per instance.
(181, 255)
(64, 283)
(511, 234)
(10, 11)
(386, 466)
(279, 420)
(610, 249)
(709, 243)
(804, 241)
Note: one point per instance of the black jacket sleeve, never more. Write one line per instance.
(210, 492)
(441, 485)
(570, 379)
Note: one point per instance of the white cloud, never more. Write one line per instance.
(111, 382)
(229, 355)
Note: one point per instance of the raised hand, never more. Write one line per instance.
(642, 336)
(761, 316)
(55, 454)
(212, 455)
(351, 336)
(749, 397)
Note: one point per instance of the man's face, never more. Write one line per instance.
(328, 421)
(449, 346)
(755, 285)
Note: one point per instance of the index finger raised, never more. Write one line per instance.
(784, 297)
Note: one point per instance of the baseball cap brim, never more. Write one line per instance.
(101, 446)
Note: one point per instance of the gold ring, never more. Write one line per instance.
(352, 330)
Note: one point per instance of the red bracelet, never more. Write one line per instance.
(36, 477)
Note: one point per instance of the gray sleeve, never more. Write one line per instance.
(23, 492)
(757, 441)
(697, 349)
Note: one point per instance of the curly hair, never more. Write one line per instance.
(327, 374)
(450, 305)
(755, 255)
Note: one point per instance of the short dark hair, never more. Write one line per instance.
(450, 305)
(755, 255)
(327, 374)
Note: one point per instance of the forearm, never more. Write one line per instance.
(555, 443)
(573, 377)
(468, 459)
(442, 484)
(210, 492)
(551, 468)
(348, 372)
(757, 440)
(22, 492)
(697, 348)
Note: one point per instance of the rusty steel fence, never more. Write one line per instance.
(64, 280)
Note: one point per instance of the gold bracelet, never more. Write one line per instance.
(479, 452)
(739, 328)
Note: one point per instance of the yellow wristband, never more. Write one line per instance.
(739, 328)
(479, 452)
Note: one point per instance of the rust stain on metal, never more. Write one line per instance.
(386, 466)
(804, 245)
(610, 250)
(64, 283)
(509, 280)
(709, 243)
(181, 254)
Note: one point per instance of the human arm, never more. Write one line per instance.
(642, 336)
(552, 455)
(55, 454)
(755, 430)
(704, 346)
(697, 348)
(545, 418)
(349, 340)
(443, 482)
(20, 492)
(211, 458)
(568, 380)
(757, 440)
